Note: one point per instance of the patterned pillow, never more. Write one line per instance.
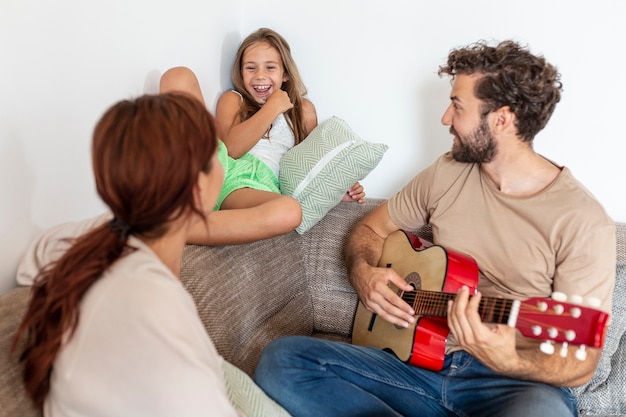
(247, 397)
(320, 170)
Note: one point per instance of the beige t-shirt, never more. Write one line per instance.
(559, 239)
(140, 349)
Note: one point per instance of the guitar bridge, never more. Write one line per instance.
(372, 321)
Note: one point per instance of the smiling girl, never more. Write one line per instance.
(258, 121)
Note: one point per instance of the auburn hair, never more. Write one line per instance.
(147, 154)
(293, 86)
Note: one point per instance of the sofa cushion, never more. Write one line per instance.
(248, 295)
(13, 398)
(605, 389)
(320, 170)
(323, 248)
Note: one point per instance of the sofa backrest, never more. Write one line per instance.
(323, 247)
(621, 242)
(248, 295)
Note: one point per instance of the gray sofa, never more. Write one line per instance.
(250, 294)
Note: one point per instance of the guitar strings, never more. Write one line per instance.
(434, 303)
(494, 310)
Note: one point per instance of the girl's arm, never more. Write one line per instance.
(310, 115)
(355, 193)
(240, 136)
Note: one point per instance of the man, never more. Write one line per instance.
(532, 229)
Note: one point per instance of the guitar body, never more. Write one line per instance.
(436, 275)
(427, 267)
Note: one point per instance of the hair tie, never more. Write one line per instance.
(119, 227)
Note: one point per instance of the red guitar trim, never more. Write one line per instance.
(437, 274)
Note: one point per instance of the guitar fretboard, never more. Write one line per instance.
(435, 304)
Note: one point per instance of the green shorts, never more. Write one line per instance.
(245, 172)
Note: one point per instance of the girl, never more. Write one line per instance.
(110, 329)
(258, 122)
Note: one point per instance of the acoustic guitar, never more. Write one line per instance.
(436, 274)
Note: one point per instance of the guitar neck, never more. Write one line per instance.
(435, 304)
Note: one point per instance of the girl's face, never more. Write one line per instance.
(263, 71)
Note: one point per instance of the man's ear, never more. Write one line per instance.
(504, 119)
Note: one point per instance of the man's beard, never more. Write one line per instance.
(479, 146)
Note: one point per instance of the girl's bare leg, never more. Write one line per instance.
(248, 215)
(181, 79)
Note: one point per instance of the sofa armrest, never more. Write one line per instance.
(13, 398)
(620, 237)
(605, 393)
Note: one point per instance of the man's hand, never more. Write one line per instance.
(503, 350)
(372, 286)
(493, 345)
(371, 282)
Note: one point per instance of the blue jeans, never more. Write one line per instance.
(316, 377)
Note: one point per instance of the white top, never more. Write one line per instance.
(272, 150)
(273, 146)
(140, 348)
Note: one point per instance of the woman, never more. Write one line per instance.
(110, 329)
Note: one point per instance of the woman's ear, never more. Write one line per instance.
(197, 196)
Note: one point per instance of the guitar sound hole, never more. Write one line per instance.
(414, 280)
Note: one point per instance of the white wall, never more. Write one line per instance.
(62, 63)
(373, 63)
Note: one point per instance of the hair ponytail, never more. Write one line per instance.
(147, 156)
(53, 310)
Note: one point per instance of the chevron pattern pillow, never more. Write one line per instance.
(320, 170)
(247, 397)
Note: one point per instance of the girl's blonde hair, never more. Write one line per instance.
(293, 86)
